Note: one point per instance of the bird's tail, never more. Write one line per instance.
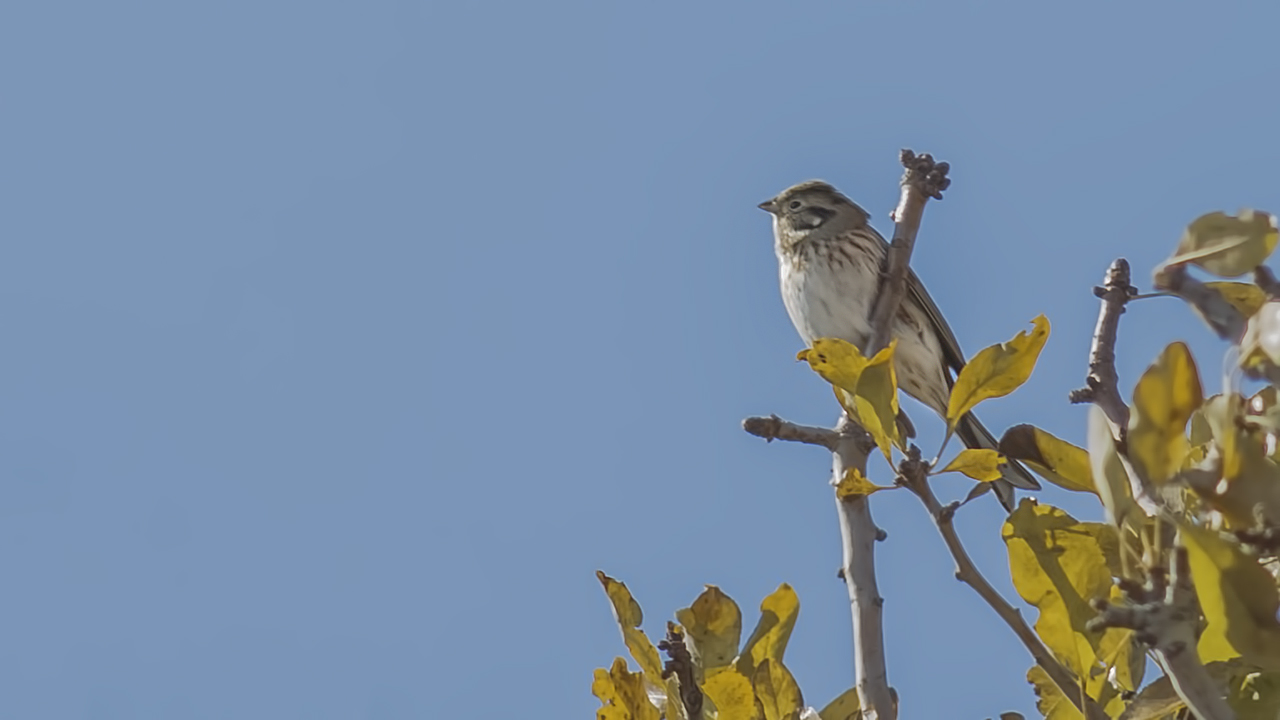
(974, 435)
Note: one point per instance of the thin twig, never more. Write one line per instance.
(913, 476)
(775, 428)
(922, 180)
(681, 665)
(1167, 623)
(1102, 383)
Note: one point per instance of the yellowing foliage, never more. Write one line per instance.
(866, 388)
(629, 616)
(1059, 565)
(997, 371)
(1166, 395)
(1227, 245)
(855, 484)
(1238, 598)
(768, 641)
(1052, 458)
(713, 627)
(980, 464)
(622, 694)
(777, 691)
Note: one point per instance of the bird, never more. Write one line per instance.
(829, 269)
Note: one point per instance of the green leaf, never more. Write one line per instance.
(982, 465)
(1052, 458)
(996, 371)
(1166, 395)
(1227, 245)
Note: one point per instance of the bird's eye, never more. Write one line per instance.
(794, 204)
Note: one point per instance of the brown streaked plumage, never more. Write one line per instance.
(829, 261)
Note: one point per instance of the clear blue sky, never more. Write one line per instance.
(343, 342)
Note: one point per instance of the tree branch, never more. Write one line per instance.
(1167, 624)
(922, 180)
(850, 445)
(914, 477)
(775, 428)
(1102, 383)
(858, 534)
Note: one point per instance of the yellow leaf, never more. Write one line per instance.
(845, 707)
(1110, 478)
(877, 400)
(1246, 298)
(1247, 480)
(1166, 395)
(837, 361)
(997, 371)
(1238, 598)
(713, 627)
(867, 388)
(1222, 414)
(732, 696)
(627, 612)
(768, 641)
(1053, 459)
(980, 464)
(1059, 565)
(1050, 701)
(777, 691)
(1227, 245)
(855, 484)
(622, 694)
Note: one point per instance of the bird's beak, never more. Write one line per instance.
(768, 206)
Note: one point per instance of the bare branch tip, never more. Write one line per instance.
(923, 173)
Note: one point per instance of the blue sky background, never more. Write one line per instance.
(343, 342)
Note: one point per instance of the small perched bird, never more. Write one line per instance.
(829, 261)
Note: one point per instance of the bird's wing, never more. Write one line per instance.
(951, 351)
